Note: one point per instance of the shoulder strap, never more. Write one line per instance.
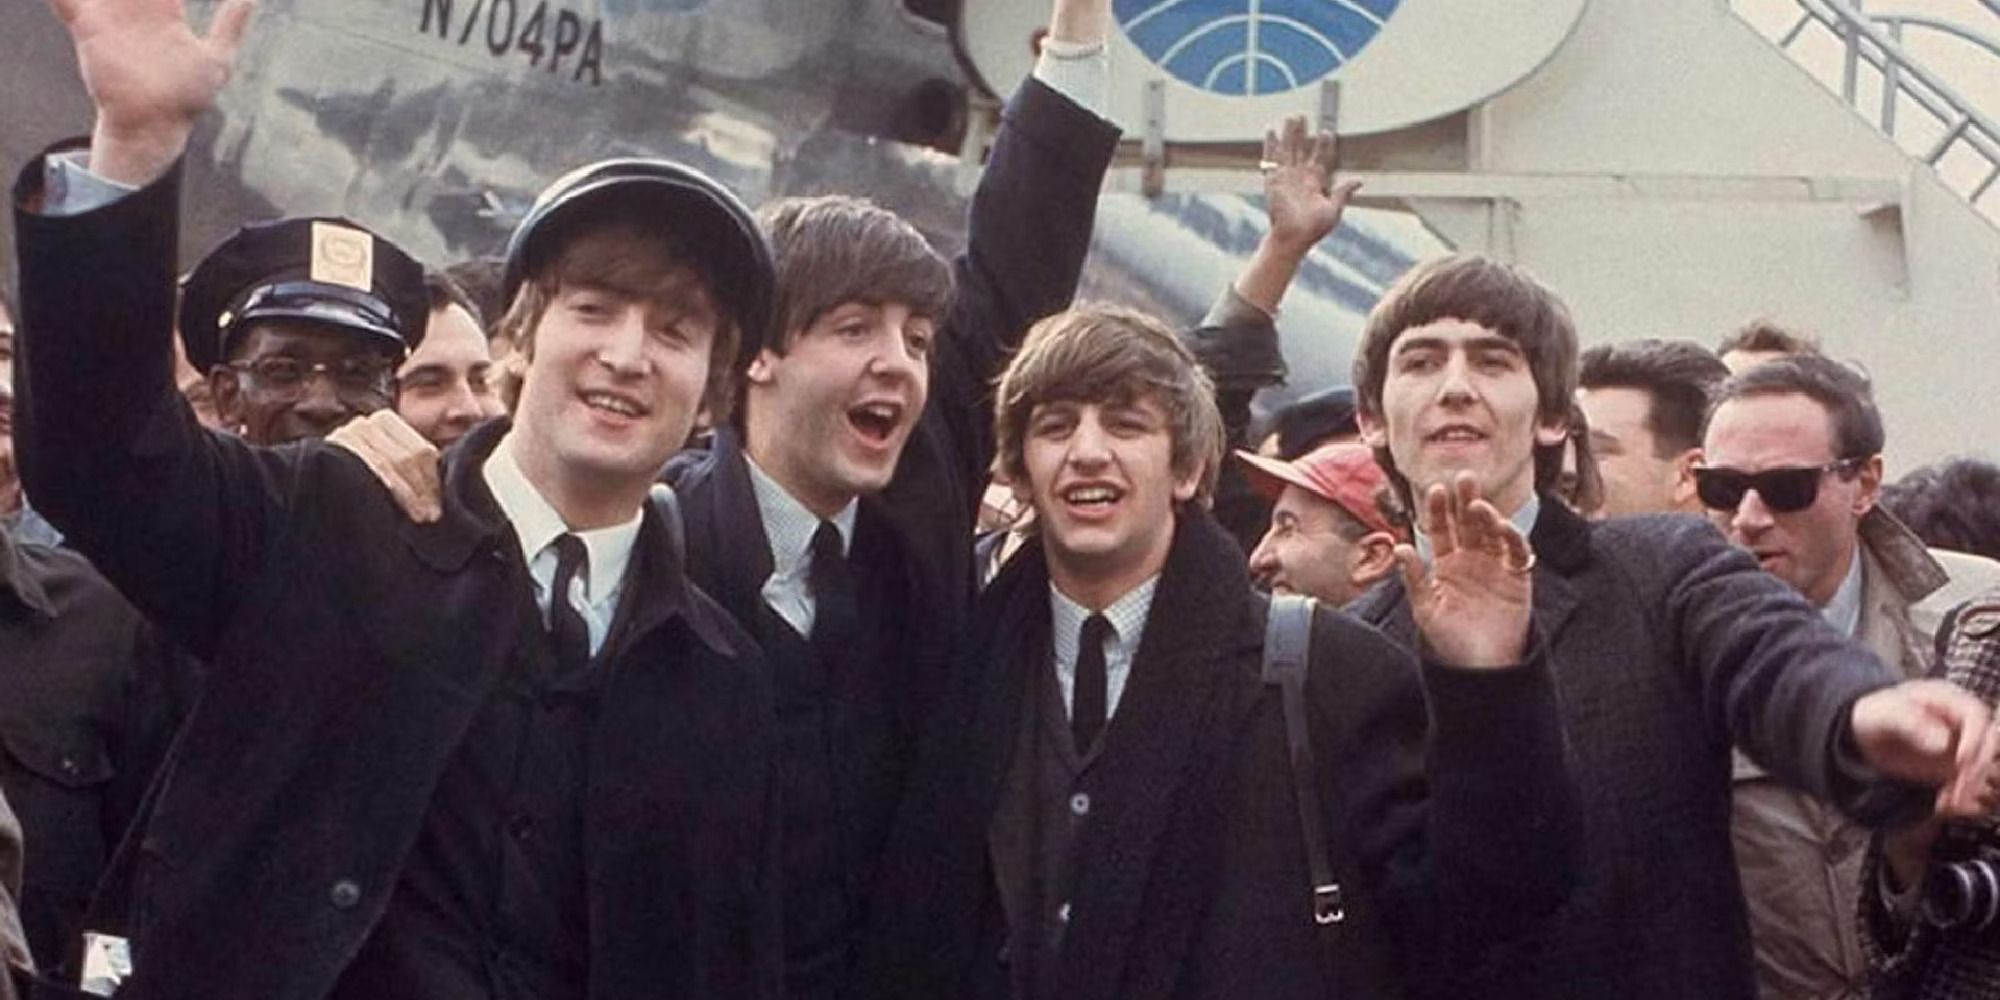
(1287, 648)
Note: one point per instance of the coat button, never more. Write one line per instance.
(346, 893)
(1079, 804)
(1062, 913)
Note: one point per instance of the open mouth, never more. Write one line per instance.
(876, 422)
(1092, 496)
(1455, 434)
(612, 403)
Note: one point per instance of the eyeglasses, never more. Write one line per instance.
(357, 380)
(1785, 491)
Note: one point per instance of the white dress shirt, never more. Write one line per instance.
(1127, 616)
(789, 527)
(595, 591)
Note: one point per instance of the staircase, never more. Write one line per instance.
(1912, 69)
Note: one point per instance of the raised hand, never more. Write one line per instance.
(1933, 732)
(1474, 603)
(406, 464)
(1299, 196)
(149, 75)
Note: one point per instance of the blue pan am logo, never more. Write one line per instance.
(1249, 47)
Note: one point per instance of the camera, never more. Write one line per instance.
(1962, 891)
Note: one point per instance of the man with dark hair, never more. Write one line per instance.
(1792, 471)
(834, 515)
(1114, 804)
(443, 388)
(1667, 644)
(1762, 340)
(1951, 505)
(1645, 400)
(514, 753)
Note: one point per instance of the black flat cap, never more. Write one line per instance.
(1313, 418)
(321, 270)
(698, 209)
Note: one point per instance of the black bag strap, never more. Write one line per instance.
(1287, 649)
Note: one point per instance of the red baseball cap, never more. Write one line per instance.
(1344, 473)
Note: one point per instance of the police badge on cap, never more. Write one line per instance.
(327, 271)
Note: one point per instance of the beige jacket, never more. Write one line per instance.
(1801, 860)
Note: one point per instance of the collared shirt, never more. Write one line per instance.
(789, 527)
(1127, 616)
(537, 524)
(1844, 610)
(1523, 521)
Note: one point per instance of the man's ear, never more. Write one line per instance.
(1548, 435)
(1684, 476)
(1871, 485)
(224, 385)
(1374, 557)
(763, 368)
(1374, 433)
(1186, 487)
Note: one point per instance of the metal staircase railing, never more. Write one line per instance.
(1873, 42)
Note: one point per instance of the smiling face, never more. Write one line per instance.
(829, 417)
(611, 391)
(1459, 396)
(1102, 482)
(442, 389)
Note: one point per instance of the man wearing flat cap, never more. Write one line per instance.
(1335, 523)
(509, 753)
(300, 324)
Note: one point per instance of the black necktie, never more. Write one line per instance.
(836, 612)
(566, 624)
(1086, 714)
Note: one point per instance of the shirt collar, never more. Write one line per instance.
(789, 526)
(1844, 610)
(536, 522)
(1523, 521)
(1127, 616)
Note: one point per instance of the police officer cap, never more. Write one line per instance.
(680, 199)
(321, 270)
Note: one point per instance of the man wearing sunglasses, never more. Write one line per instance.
(1791, 471)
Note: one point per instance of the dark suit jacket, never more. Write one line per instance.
(1667, 646)
(1191, 878)
(349, 650)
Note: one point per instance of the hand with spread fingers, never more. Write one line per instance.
(1933, 732)
(149, 75)
(405, 463)
(1299, 197)
(1475, 601)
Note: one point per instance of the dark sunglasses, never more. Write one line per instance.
(1783, 490)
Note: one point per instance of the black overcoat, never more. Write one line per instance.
(1028, 231)
(349, 651)
(1667, 644)
(1191, 876)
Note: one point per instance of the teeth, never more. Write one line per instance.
(1092, 494)
(880, 411)
(614, 404)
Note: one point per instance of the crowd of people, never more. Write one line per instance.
(700, 601)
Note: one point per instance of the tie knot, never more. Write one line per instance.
(1096, 629)
(826, 544)
(571, 555)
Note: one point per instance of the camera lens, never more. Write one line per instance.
(1964, 894)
